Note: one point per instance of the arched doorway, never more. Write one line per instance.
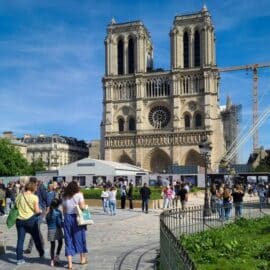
(157, 161)
(194, 158)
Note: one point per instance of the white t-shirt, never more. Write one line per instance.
(104, 194)
(112, 195)
(70, 204)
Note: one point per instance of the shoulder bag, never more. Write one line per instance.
(13, 215)
(84, 216)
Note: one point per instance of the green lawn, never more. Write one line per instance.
(243, 245)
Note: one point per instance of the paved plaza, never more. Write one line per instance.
(127, 241)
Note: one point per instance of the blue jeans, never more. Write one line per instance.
(238, 206)
(227, 210)
(145, 205)
(31, 242)
(112, 205)
(105, 204)
(28, 226)
(220, 209)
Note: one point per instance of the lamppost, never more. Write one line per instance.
(205, 149)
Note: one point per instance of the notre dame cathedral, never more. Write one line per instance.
(154, 118)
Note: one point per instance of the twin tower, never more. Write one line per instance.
(154, 118)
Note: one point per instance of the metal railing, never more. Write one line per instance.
(176, 222)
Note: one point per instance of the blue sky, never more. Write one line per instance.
(52, 58)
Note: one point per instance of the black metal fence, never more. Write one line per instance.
(175, 222)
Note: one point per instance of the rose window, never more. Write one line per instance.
(159, 117)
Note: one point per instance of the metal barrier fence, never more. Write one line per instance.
(176, 222)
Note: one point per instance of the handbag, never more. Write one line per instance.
(12, 216)
(84, 216)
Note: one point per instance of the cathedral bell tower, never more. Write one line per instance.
(156, 118)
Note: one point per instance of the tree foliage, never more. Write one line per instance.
(37, 165)
(12, 161)
(264, 165)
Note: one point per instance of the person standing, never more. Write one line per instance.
(105, 199)
(176, 189)
(42, 198)
(112, 200)
(183, 194)
(2, 199)
(262, 194)
(168, 194)
(27, 221)
(238, 195)
(54, 220)
(123, 191)
(130, 195)
(213, 198)
(75, 235)
(51, 194)
(10, 197)
(227, 202)
(145, 195)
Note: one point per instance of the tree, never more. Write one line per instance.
(12, 161)
(264, 165)
(37, 165)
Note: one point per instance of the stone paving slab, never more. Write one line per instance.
(107, 239)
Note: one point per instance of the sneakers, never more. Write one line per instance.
(27, 251)
(19, 262)
(56, 259)
(52, 263)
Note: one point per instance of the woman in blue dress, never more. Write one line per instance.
(75, 235)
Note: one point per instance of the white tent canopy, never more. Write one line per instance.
(88, 166)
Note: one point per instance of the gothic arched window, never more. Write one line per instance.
(131, 57)
(198, 120)
(120, 57)
(187, 121)
(186, 50)
(131, 124)
(197, 48)
(121, 124)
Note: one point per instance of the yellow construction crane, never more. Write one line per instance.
(254, 68)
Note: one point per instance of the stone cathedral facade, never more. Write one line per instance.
(154, 118)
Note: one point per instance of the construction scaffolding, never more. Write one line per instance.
(231, 118)
(254, 68)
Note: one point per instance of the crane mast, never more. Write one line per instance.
(254, 69)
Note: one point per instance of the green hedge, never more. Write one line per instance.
(94, 193)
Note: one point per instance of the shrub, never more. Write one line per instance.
(94, 193)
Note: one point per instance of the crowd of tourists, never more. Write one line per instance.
(175, 193)
(225, 197)
(109, 193)
(54, 205)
